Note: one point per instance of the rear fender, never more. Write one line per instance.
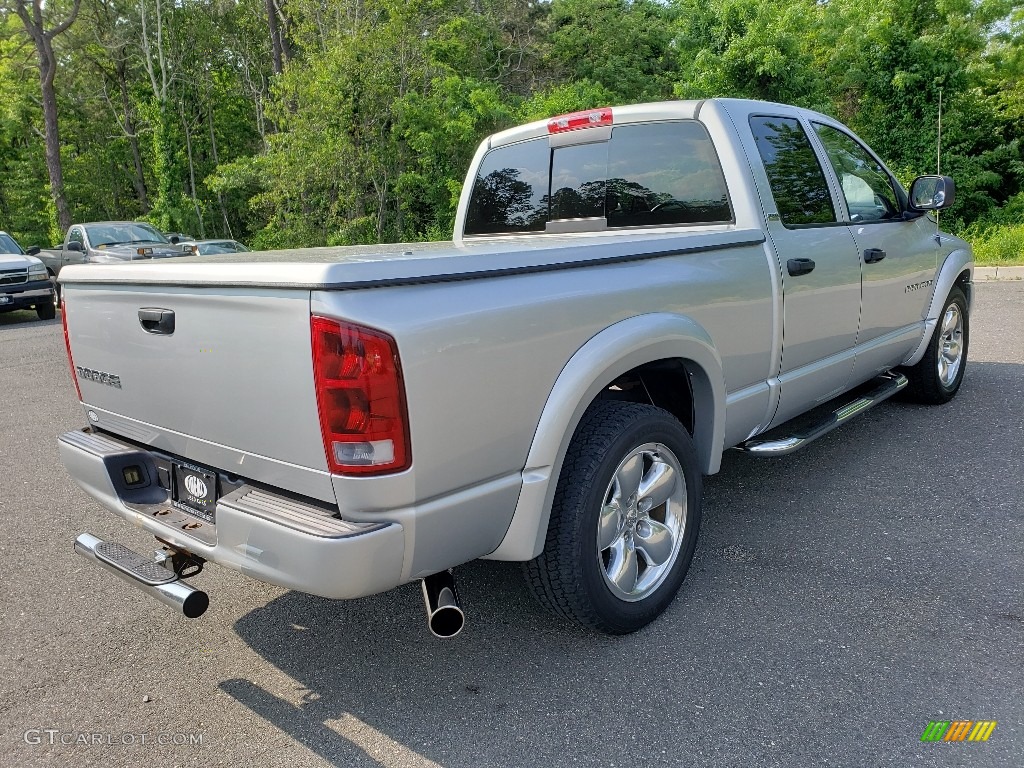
(608, 355)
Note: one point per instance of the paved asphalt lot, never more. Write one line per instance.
(840, 599)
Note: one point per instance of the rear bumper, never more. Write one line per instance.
(269, 537)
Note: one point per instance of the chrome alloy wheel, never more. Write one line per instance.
(642, 521)
(951, 352)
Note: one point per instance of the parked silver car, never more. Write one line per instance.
(213, 247)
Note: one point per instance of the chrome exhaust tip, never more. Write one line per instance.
(141, 572)
(444, 614)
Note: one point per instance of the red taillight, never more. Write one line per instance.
(361, 398)
(67, 346)
(591, 118)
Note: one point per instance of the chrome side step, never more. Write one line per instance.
(139, 571)
(888, 385)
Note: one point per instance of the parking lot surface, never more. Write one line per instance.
(840, 600)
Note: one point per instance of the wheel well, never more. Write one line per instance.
(964, 281)
(664, 383)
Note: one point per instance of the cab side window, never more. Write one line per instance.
(796, 178)
(76, 236)
(868, 189)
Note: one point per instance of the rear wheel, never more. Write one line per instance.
(937, 377)
(624, 520)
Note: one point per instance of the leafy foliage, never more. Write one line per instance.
(177, 112)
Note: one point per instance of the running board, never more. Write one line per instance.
(888, 384)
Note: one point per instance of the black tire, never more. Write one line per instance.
(47, 310)
(56, 286)
(569, 577)
(927, 384)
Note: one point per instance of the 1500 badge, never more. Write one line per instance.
(100, 377)
(917, 286)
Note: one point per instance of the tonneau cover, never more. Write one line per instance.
(367, 266)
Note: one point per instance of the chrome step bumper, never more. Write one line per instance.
(139, 571)
(888, 385)
(264, 535)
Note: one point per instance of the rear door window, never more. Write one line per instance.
(794, 173)
(647, 174)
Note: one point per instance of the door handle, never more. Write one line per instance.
(800, 266)
(156, 320)
(871, 255)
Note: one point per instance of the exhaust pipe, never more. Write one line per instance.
(444, 614)
(139, 571)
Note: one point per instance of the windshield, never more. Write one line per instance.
(120, 232)
(7, 244)
(220, 246)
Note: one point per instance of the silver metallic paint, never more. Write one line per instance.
(504, 342)
(335, 568)
(959, 260)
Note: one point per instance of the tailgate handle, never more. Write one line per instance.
(155, 320)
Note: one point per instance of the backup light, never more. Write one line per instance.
(574, 121)
(360, 397)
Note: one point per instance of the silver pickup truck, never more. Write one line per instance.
(108, 242)
(630, 292)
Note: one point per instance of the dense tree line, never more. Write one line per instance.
(305, 122)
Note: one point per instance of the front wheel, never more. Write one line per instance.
(624, 520)
(46, 311)
(937, 377)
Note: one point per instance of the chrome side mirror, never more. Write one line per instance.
(930, 193)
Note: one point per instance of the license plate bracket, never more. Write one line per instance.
(195, 491)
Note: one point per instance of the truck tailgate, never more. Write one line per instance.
(231, 387)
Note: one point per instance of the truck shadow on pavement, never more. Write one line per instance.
(817, 587)
(369, 670)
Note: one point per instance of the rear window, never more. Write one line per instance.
(646, 175)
